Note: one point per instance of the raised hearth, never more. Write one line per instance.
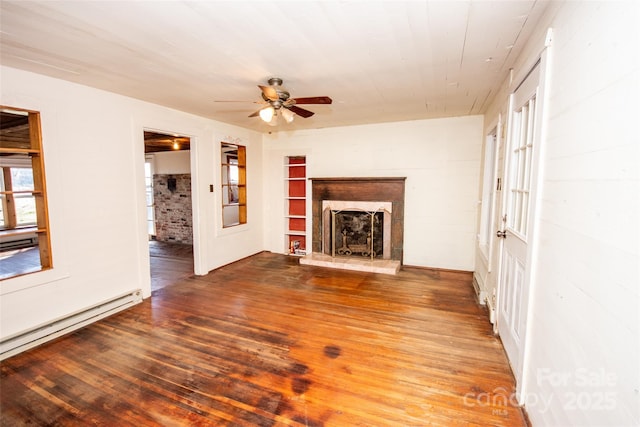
(382, 266)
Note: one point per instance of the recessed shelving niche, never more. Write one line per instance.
(295, 205)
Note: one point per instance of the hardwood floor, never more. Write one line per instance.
(265, 342)
(170, 262)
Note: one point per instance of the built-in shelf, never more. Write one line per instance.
(10, 150)
(295, 205)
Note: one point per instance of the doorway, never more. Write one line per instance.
(518, 219)
(168, 207)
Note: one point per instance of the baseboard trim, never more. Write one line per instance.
(443, 273)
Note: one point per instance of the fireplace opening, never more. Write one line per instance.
(356, 229)
(357, 233)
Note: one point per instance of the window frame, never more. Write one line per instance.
(32, 153)
(149, 196)
(233, 156)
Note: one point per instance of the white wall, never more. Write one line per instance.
(440, 158)
(582, 365)
(171, 162)
(94, 158)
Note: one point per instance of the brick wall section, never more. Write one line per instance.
(173, 209)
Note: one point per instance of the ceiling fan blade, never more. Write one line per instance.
(269, 92)
(252, 102)
(256, 114)
(301, 111)
(314, 100)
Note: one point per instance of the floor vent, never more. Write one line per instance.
(22, 341)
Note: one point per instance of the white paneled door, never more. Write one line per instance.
(520, 174)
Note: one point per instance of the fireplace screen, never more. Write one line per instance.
(357, 233)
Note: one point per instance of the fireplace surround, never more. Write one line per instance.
(378, 191)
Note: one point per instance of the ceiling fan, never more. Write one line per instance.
(281, 103)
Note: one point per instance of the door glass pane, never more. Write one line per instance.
(148, 180)
(518, 210)
(525, 208)
(522, 136)
(522, 155)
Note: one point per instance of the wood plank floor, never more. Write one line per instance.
(268, 342)
(170, 263)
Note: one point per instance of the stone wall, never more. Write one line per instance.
(172, 198)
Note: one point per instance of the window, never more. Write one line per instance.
(24, 224)
(16, 184)
(148, 182)
(234, 185)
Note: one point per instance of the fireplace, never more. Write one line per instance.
(351, 228)
(346, 212)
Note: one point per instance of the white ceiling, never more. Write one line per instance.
(380, 61)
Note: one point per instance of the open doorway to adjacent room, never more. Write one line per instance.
(169, 206)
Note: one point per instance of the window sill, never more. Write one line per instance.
(233, 229)
(31, 280)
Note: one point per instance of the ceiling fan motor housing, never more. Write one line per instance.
(283, 94)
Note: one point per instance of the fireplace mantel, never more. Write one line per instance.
(364, 189)
(391, 179)
(361, 178)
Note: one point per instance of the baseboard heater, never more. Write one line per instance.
(492, 313)
(18, 242)
(480, 294)
(25, 340)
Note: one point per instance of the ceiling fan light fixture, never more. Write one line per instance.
(266, 114)
(287, 114)
(274, 120)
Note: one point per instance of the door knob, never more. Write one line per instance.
(501, 233)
